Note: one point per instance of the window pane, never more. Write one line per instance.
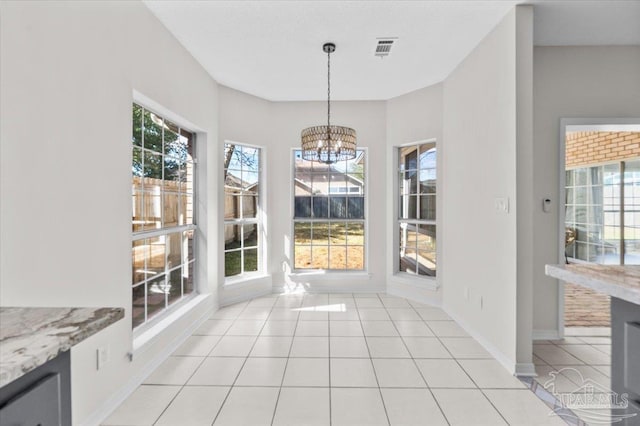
(251, 260)
(302, 233)
(250, 235)
(152, 216)
(338, 233)
(320, 257)
(428, 207)
(187, 278)
(408, 260)
(232, 237)
(250, 181)
(249, 206)
(232, 263)
(251, 159)
(152, 131)
(320, 233)
(171, 139)
(137, 219)
(170, 209)
(156, 292)
(355, 257)
(338, 257)
(427, 263)
(320, 183)
(136, 131)
(302, 207)
(173, 170)
(138, 300)
(187, 246)
(174, 244)
(186, 215)
(138, 271)
(231, 205)
(355, 207)
(427, 237)
(408, 207)
(302, 257)
(338, 207)
(137, 167)
(155, 255)
(153, 166)
(320, 207)
(355, 233)
(174, 285)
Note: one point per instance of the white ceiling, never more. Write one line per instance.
(273, 49)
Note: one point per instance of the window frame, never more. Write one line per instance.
(398, 221)
(622, 195)
(365, 221)
(258, 220)
(167, 231)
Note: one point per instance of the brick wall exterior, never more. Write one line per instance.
(586, 148)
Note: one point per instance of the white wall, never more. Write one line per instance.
(583, 82)
(481, 153)
(413, 117)
(277, 126)
(68, 73)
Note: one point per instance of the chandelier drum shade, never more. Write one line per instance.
(328, 143)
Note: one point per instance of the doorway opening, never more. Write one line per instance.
(601, 214)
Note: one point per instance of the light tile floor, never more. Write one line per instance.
(332, 359)
(564, 366)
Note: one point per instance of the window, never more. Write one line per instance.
(163, 225)
(242, 219)
(329, 214)
(602, 213)
(417, 209)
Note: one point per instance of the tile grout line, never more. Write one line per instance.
(414, 360)
(463, 369)
(194, 371)
(286, 365)
(224, 401)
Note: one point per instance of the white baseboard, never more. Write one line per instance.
(415, 294)
(506, 362)
(113, 402)
(545, 335)
(244, 297)
(526, 370)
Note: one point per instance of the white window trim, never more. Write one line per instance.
(405, 277)
(155, 324)
(260, 220)
(339, 273)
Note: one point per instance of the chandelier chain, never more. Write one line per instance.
(329, 93)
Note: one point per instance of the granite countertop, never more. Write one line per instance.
(29, 337)
(622, 282)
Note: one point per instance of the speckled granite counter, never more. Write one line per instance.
(29, 337)
(622, 282)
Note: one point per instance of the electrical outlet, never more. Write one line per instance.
(501, 204)
(102, 356)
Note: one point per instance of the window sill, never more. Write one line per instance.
(330, 275)
(245, 279)
(423, 282)
(158, 325)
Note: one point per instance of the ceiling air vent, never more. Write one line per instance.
(383, 48)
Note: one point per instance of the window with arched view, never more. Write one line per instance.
(163, 226)
(329, 214)
(242, 202)
(417, 209)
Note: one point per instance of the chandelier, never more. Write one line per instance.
(330, 143)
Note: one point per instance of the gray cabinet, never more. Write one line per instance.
(42, 397)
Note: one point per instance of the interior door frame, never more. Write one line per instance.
(579, 124)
